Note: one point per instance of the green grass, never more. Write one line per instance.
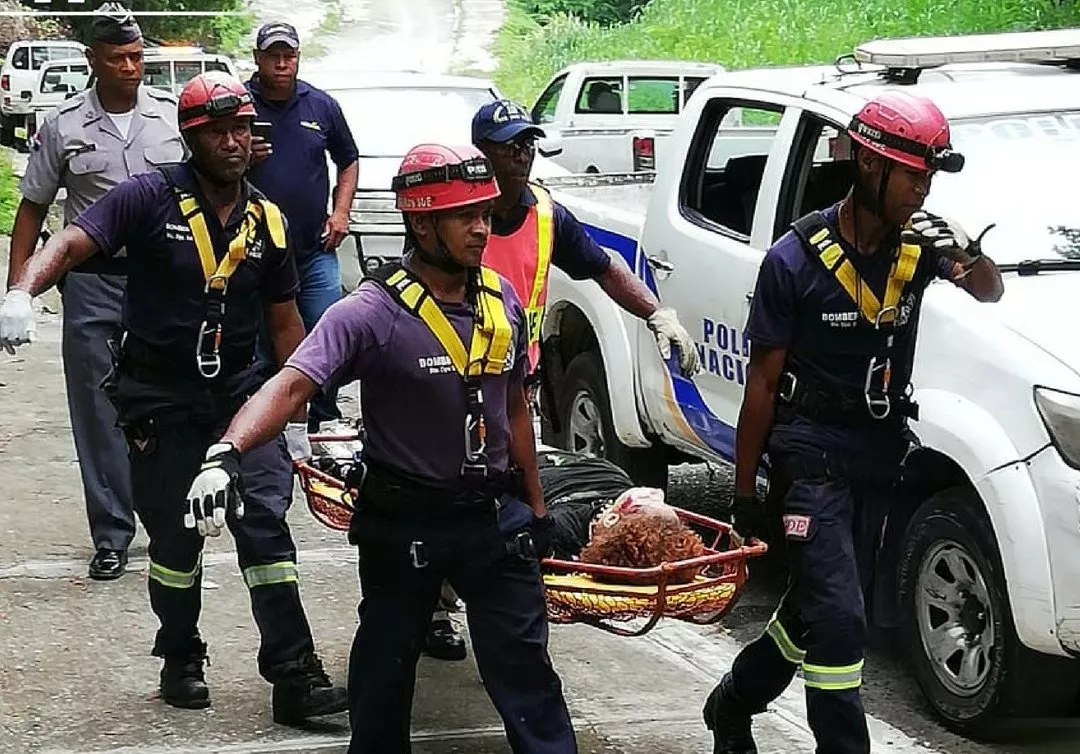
(9, 194)
(750, 33)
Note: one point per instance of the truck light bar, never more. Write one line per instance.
(915, 53)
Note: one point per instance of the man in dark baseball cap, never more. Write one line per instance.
(277, 31)
(502, 121)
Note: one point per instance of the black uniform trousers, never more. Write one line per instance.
(507, 619)
(165, 458)
(833, 520)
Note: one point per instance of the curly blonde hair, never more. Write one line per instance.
(638, 540)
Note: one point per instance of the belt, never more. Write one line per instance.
(824, 403)
(399, 494)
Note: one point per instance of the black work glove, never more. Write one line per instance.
(542, 530)
(217, 488)
(748, 517)
(946, 239)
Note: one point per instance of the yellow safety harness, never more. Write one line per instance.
(487, 352)
(258, 212)
(545, 235)
(819, 240)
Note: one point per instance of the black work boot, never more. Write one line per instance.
(182, 681)
(443, 642)
(305, 691)
(728, 720)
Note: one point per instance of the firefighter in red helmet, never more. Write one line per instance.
(832, 330)
(448, 488)
(209, 257)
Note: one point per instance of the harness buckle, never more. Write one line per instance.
(417, 555)
(208, 361)
(788, 384)
(878, 402)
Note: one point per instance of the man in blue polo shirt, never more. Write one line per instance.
(290, 168)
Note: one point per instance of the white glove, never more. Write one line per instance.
(216, 487)
(296, 439)
(666, 326)
(17, 322)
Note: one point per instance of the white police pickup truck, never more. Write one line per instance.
(988, 557)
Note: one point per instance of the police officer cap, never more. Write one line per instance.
(116, 29)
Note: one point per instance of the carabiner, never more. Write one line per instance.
(416, 554)
(208, 360)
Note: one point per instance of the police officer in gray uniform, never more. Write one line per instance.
(87, 145)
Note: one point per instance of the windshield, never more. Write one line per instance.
(1019, 174)
(390, 122)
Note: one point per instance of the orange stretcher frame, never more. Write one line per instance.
(605, 597)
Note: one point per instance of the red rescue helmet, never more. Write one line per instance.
(210, 95)
(907, 129)
(433, 177)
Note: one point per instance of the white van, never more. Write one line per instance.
(612, 117)
(169, 68)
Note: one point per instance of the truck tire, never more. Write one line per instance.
(7, 131)
(958, 626)
(585, 417)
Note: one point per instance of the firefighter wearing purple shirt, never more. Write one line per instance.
(832, 328)
(208, 257)
(450, 488)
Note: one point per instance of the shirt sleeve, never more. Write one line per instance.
(576, 253)
(45, 164)
(773, 311)
(341, 145)
(118, 215)
(281, 279)
(344, 344)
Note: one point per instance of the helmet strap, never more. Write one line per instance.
(440, 258)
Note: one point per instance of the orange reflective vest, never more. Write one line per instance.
(524, 259)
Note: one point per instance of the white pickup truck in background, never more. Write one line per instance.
(985, 560)
(615, 116)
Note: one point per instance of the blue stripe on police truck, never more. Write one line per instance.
(722, 349)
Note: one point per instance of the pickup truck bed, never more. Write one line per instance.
(614, 203)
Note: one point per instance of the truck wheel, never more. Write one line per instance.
(585, 416)
(958, 626)
(7, 131)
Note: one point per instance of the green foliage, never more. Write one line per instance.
(605, 12)
(9, 193)
(222, 33)
(748, 33)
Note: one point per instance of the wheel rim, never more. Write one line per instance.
(956, 622)
(585, 430)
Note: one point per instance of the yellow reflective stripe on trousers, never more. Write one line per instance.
(175, 579)
(281, 572)
(829, 678)
(787, 647)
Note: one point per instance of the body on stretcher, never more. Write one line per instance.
(622, 601)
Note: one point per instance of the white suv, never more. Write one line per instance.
(19, 78)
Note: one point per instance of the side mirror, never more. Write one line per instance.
(550, 147)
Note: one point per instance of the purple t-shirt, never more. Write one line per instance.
(412, 399)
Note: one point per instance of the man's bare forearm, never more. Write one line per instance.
(346, 189)
(65, 250)
(267, 412)
(755, 421)
(29, 218)
(627, 290)
(523, 449)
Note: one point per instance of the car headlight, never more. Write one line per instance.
(1060, 413)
